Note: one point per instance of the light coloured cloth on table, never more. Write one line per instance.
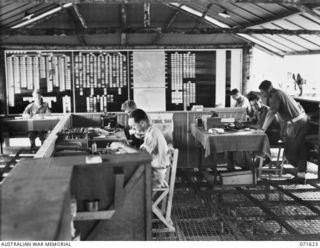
(234, 141)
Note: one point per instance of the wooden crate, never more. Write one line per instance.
(238, 178)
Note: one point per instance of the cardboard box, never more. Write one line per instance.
(238, 178)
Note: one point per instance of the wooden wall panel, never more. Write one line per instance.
(182, 138)
(98, 182)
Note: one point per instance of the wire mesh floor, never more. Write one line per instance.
(204, 213)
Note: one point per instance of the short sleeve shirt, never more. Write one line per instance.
(284, 105)
(243, 102)
(155, 144)
(32, 109)
(260, 116)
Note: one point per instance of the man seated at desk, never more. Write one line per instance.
(241, 101)
(154, 143)
(136, 139)
(259, 114)
(37, 108)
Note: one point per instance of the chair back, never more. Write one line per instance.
(171, 177)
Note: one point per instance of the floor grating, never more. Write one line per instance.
(195, 219)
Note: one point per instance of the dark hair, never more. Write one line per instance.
(214, 114)
(139, 115)
(253, 96)
(128, 104)
(265, 85)
(234, 92)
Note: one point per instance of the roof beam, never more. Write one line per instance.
(80, 17)
(304, 8)
(271, 19)
(168, 24)
(78, 28)
(169, 1)
(42, 16)
(165, 31)
(200, 20)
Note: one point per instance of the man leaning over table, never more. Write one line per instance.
(37, 108)
(296, 121)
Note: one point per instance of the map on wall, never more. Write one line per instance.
(149, 80)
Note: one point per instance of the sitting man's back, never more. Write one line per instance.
(154, 143)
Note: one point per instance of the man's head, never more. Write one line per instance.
(128, 106)
(235, 94)
(36, 95)
(254, 100)
(139, 120)
(265, 88)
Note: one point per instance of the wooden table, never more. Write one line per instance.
(35, 199)
(245, 141)
(25, 125)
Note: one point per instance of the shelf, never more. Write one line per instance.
(94, 215)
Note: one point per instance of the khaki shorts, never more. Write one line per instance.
(158, 177)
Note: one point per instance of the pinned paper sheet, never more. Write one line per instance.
(93, 160)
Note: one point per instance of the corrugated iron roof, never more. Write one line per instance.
(193, 15)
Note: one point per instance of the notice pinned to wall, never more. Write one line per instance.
(164, 122)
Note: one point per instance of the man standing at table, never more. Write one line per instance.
(296, 121)
(37, 108)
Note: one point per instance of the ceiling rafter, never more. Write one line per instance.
(39, 10)
(160, 35)
(77, 24)
(35, 31)
(200, 20)
(233, 13)
(169, 1)
(79, 15)
(311, 42)
(42, 16)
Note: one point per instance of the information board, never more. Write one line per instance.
(101, 81)
(190, 78)
(48, 71)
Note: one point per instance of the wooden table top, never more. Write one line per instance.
(34, 193)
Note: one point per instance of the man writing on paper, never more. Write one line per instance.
(259, 113)
(36, 109)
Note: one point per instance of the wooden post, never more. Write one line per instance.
(318, 144)
(246, 60)
(3, 102)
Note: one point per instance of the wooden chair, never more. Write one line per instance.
(275, 166)
(162, 197)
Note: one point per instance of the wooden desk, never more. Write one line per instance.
(35, 200)
(25, 125)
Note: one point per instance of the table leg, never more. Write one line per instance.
(200, 154)
(215, 167)
(230, 161)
